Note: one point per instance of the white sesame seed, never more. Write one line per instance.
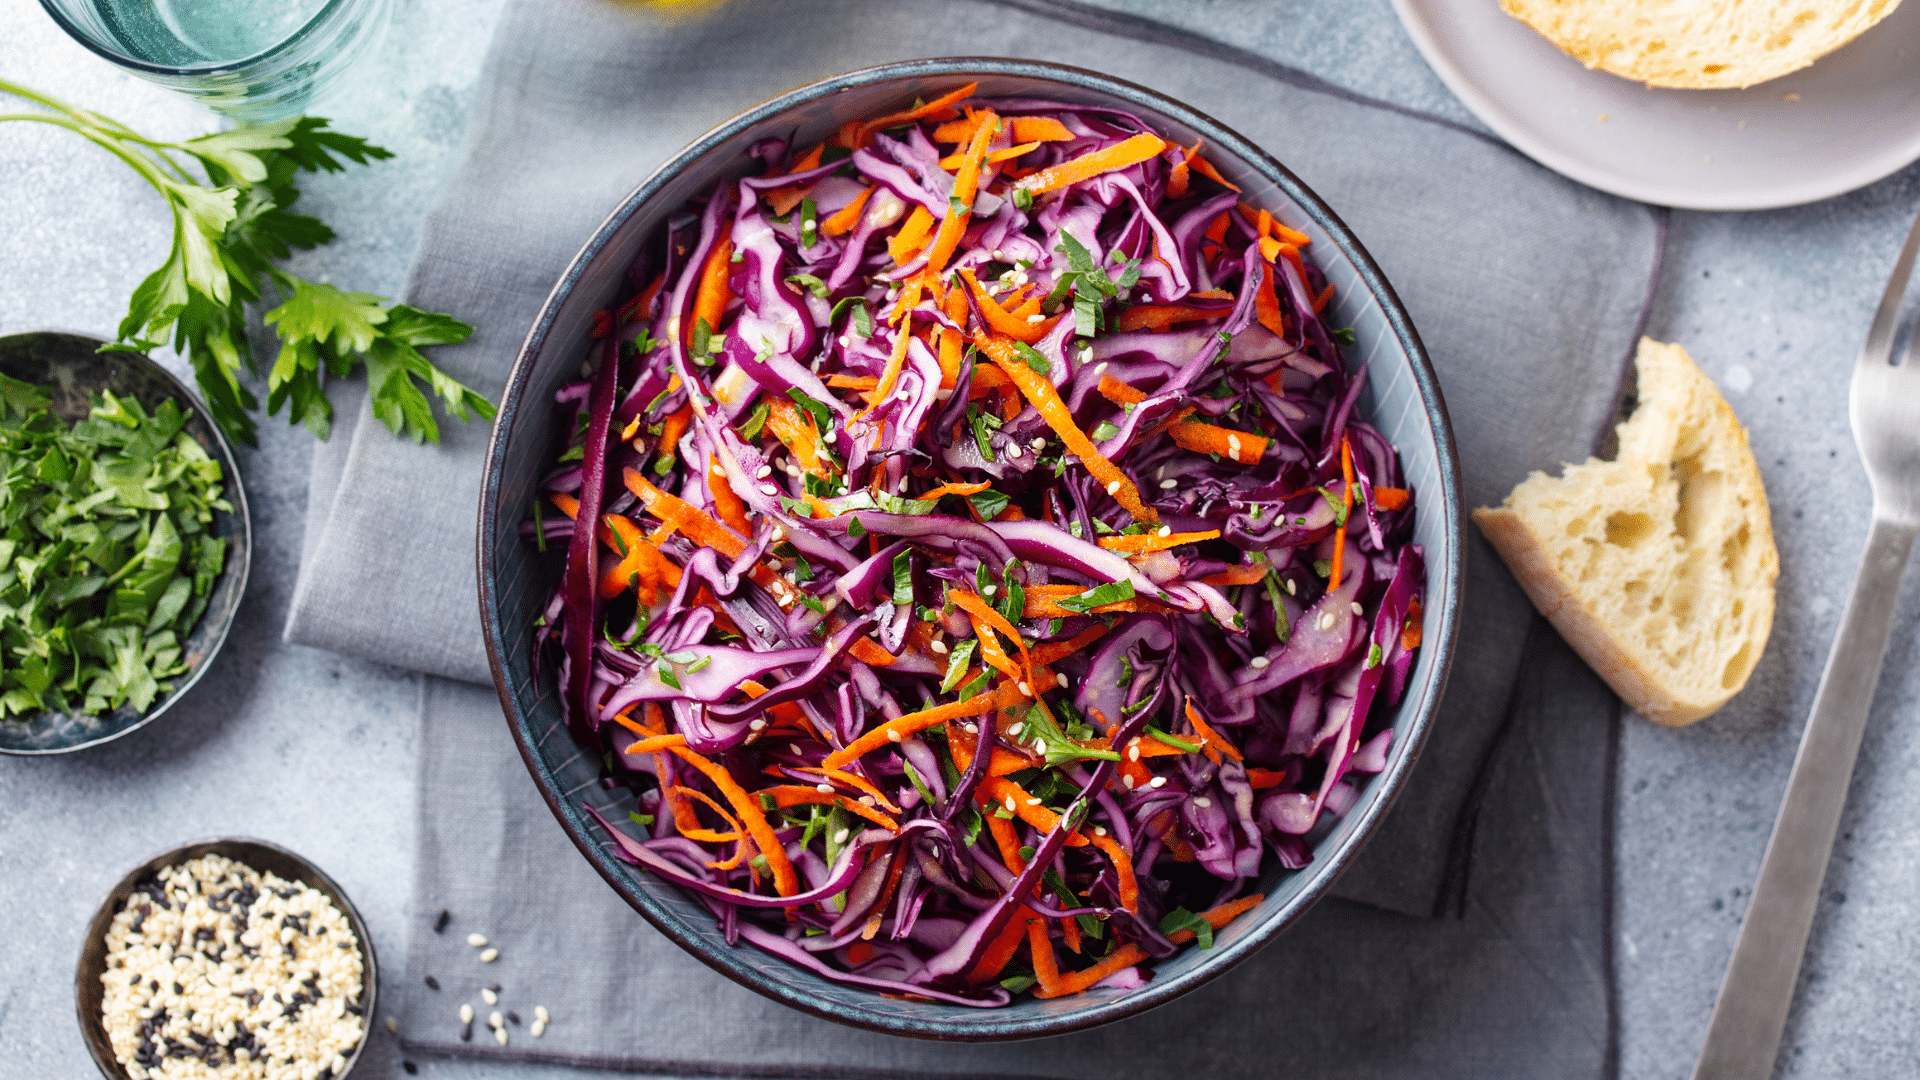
(717, 470)
(541, 1014)
(1016, 729)
(1169, 485)
(1157, 782)
(538, 1029)
(1259, 663)
(1356, 608)
(1133, 752)
(1233, 447)
(1062, 680)
(1203, 802)
(466, 1012)
(1326, 620)
(500, 1035)
(1025, 689)
(488, 996)
(1292, 589)
(489, 956)
(393, 1026)
(1099, 368)
(972, 728)
(762, 472)
(1011, 805)
(824, 789)
(769, 489)
(495, 1020)
(1165, 530)
(1099, 830)
(1031, 801)
(939, 647)
(795, 747)
(845, 341)
(1113, 488)
(989, 590)
(1038, 442)
(1036, 318)
(841, 836)
(1126, 779)
(793, 470)
(866, 800)
(893, 735)
(478, 941)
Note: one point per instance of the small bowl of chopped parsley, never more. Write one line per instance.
(124, 542)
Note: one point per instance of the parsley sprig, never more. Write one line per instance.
(1089, 285)
(230, 229)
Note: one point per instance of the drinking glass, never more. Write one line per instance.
(256, 61)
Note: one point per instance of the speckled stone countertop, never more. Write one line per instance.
(316, 751)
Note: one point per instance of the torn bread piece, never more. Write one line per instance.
(1657, 567)
(1699, 44)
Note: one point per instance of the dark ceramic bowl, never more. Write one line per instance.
(75, 368)
(89, 993)
(1403, 399)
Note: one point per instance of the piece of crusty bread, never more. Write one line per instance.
(1699, 44)
(1658, 566)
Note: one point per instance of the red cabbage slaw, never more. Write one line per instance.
(990, 571)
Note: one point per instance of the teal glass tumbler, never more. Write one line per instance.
(256, 61)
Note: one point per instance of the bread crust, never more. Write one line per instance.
(1527, 557)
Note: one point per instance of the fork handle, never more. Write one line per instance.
(1743, 1038)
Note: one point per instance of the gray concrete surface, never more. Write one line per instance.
(316, 751)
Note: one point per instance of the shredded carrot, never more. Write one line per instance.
(937, 106)
(1160, 316)
(636, 562)
(869, 653)
(900, 727)
(1120, 155)
(1320, 302)
(1262, 779)
(1123, 869)
(1042, 395)
(701, 796)
(913, 235)
(1014, 799)
(1118, 392)
(1055, 651)
(711, 296)
(1346, 500)
(696, 523)
(1078, 981)
(1205, 168)
(602, 324)
(1391, 498)
(784, 199)
(726, 501)
(895, 363)
(1046, 969)
(1242, 446)
(860, 782)
(984, 616)
(1220, 916)
(786, 795)
(1012, 324)
(1177, 177)
(966, 184)
(1037, 129)
(1411, 632)
(787, 711)
(1245, 574)
(853, 382)
(1139, 542)
(672, 428)
(1210, 740)
(843, 220)
(954, 489)
(994, 959)
(1003, 835)
(1266, 302)
(748, 807)
(954, 161)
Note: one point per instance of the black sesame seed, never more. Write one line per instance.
(433, 983)
(410, 1067)
(495, 987)
(466, 1032)
(513, 1017)
(440, 924)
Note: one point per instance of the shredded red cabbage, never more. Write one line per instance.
(990, 571)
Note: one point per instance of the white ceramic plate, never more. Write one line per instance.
(1850, 119)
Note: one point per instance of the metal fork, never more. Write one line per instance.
(1743, 1038)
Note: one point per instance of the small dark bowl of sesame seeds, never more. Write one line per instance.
(226, 957)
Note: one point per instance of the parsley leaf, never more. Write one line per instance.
(230, 233)
(1181, 919)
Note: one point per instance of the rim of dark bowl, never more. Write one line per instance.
(231, 587)
(264, 856)
(985, 1026)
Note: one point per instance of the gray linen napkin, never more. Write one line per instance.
(1527, 289)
